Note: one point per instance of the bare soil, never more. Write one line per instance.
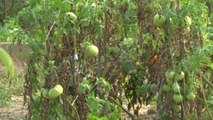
(17, 112)
(147, 112)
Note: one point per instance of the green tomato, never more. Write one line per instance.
(191, 96)
(159, 20)
(169, 74)
(179, 76)
(177, 108)
(176, 87)
(91, 50)
(72, 16)
(177, 98)
(166, 88)
(56, 91)
(188, 21)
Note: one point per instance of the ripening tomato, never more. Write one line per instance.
(155, 58)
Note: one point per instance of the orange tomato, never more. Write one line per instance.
(155, 58)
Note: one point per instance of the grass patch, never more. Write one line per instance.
(7, 90)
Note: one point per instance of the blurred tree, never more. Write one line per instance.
(10, 8)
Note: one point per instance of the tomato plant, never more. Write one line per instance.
(92, 55)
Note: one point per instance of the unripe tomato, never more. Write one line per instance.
(169, 74)
(191, 96)
(91, 50)
(56, 91)
(177, 98)
(176, 87)
(166, 88)
(177, 108)
(179, 76)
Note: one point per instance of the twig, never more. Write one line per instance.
(124, 109)
(206, 80)
(73, 102)
(51, 28)
(204, 96)
(205, 103)
(11, 7)
(57, 113)
(73, 107)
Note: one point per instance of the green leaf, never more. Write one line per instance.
(7, 61)
(211, 66)
(127, 41)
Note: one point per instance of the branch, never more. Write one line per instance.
(11, 7)
(205, 102)
(73, 107)
(206, 80)
(51, 28)
(124, 109)
(73, 102)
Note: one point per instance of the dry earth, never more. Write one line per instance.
(147, 112)
(17, 112)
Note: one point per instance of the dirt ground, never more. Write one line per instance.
(17, 112)
(147, 112)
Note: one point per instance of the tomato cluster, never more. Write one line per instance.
(172, 85)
